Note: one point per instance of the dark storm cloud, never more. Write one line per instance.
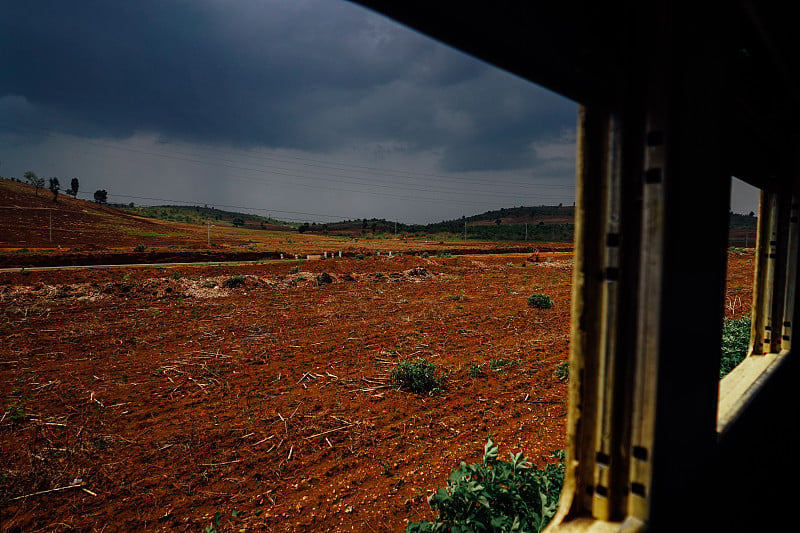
(308, 75)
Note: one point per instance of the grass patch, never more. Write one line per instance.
(540, 301)
(16, 410)
(735, 342)
(497, 364)
(460, 297)
(562, 370)
(234, 281)
(418, 375)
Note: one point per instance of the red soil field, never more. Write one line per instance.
(151, 398)
(171, 397)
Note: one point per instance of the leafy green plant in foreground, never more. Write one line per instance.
(502, 496)
(418, 375)
(735, 342)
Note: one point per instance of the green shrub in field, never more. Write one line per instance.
(562, 370)
(418, 375)
(540, 301)
(16, 411)
(139, 248)
(503, 496)
(360, 256)
(735, 342)
(235, 281)
(476, 370)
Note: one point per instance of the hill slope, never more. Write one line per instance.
(35, 221)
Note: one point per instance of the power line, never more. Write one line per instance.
(338, 178)
(267, 175)
(310, 162)
(279, 171)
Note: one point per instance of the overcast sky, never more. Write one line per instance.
(303, 109)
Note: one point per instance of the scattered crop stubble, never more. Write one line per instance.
(170, 404)
(150, 404)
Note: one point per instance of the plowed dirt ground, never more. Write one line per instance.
(149, 399)
(172, 397)
(153, 398)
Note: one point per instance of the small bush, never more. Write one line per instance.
(235, 281)
(540, 301)
(360, 256)
(139, 248)
(16, 410)
(562, 370)
(475, 370)
(418, 375)
(496, 496)
(735, 343)
(294, 270)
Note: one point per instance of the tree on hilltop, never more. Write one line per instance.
(55, 186)
(101, 196)
(34, 180)
(73, 188)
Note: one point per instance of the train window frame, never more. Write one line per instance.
(773, 307)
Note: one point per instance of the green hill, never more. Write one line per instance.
(201, 215)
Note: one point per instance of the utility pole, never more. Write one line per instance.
(209, 232)
(465, 231)
(526, 232)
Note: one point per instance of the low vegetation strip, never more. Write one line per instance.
(496, 495)
(735, 342)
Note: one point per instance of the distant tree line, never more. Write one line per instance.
(455, 228)
(54, 185)
(737, 221)
(196, 214)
